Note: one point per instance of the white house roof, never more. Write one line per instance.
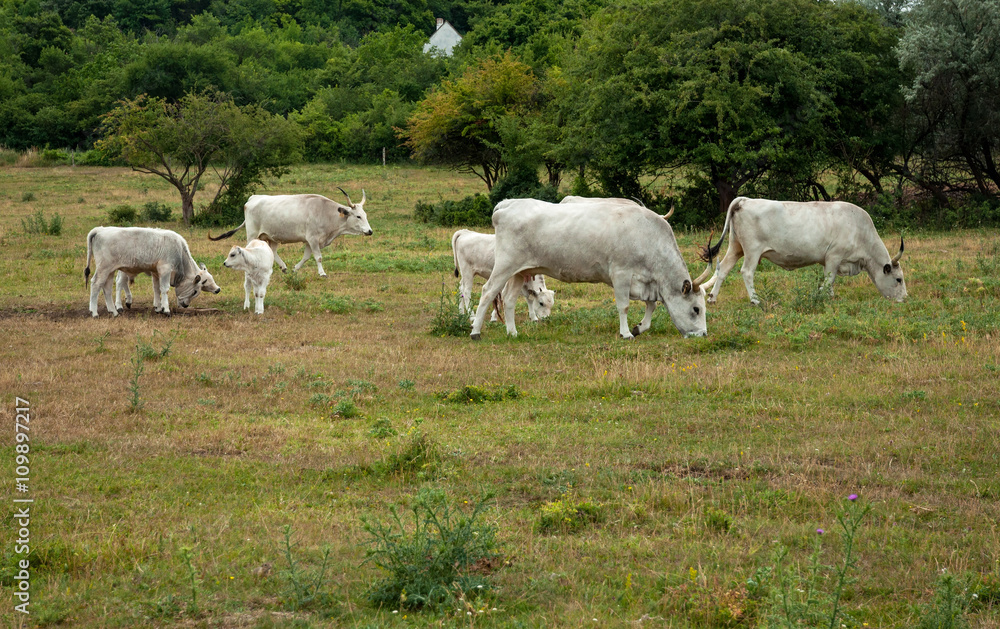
(444, 39)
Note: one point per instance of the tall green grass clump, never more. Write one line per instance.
(432, 555)
(304, 589)
(37, 224)
(449, 320)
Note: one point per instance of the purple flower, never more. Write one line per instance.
(852, 497)
(819, 531)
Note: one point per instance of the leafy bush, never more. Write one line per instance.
(566, 516)
(345, 408)
(382, 428)
(449, 320)
(471, 394)
(123, 215)
(523, 183)
(155, 212)
(474, 211)
(36, 224)
(440, 554)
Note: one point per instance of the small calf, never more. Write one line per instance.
(474, 253)
(256, 260)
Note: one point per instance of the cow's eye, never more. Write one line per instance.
(697, 310)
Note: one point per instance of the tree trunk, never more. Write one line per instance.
(726, 194)
(187, 206)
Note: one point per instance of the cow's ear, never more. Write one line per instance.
(887, 269)
(686, 287)
(342, 210)
(532, 293)
(203, 267)
(197, 279)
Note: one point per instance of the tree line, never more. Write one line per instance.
(887, 102)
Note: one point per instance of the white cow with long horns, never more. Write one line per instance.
(837, 234)
(628, 247)
(307, 218)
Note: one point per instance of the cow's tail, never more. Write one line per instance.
(498, 306)
(90, 248)
(227, 234)
(710, 251)
(454, 252)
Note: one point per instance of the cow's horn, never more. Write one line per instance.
(708, 269)
(895, 259)
(364, 197)
(670, 213)
(351, 203)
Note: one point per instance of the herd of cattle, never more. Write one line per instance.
(617, 242)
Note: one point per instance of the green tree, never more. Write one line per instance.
(731, 95)
(181, 141)
(457, 124)
(951, 49)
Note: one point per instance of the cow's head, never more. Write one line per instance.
(191, 286)
(235, 259)
(686, 304)
(354, 216)
(889, 279)
(543, 298)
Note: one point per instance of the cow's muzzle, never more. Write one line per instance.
(217, 291)
(699, 333)
(369, 233)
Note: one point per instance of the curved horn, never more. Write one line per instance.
(670, 213)
(696, 284)
(364, 197)
(895, 259)
(708, 269)
(349, 202)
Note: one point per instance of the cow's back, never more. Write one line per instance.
(581, 242)
(284, 217)
(138, 249)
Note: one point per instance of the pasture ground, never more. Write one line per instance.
(701, 456)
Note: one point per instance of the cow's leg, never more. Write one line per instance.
(491, 289)
(277, 258)
(623, 289)
(465, 291)
(164, 284)
(306, 254)
(247, 288)
(733, 255)
(259, 292)
(109, 294)
(318, 256)
(747, 270)
(121, 286)
(647, 320)
(830, 271)
(510, 293)
(98, 283)
(157, 307)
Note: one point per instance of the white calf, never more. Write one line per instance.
(256, 260)
(474, 253)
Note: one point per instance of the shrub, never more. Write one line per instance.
(566, 516)
(382, 428)
(303, 590)
(474, 211)
(123, 215)
(36, 224)
(523, 183)
(156, 212)
(440, 554)
(27, 197)
(345, 408)
(450, 320)
(471, 394)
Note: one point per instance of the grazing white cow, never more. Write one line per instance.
(256, 260)
(837, 234)
(162, 253)
(308, 218)
(619, 200)
(627, 247)
(474, 255)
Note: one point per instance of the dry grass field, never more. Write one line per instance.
(675, 468)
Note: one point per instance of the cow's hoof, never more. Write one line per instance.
(710, 299)
(120, 310)
(322, 274)
(627, 338)
(94, 315)
(635, 330)
(284, 269)
(128, 304)
(475, 336)
(754, 302)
